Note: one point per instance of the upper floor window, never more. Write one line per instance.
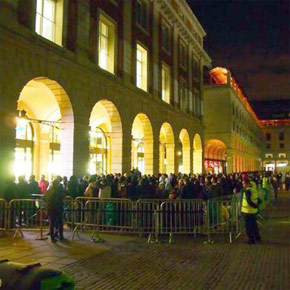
(141, 67)
(165, 37)
(106, 44)
(281, 146)
(183, 95)
(268, 136)
(282, 155)
(268, 146)
(142, 13)
(281, 136)
(182, 55)
(268, 155)
(49, 17)
(165, 83)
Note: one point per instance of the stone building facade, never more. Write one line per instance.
(100, 86)
(233, 136)
(276, 137)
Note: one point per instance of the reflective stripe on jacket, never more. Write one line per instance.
(246, 208)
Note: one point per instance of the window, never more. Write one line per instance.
(281, 136)
(281, 146)
(182, 55)
(49, 17)
(268, 155)
(282, 155)
(183, 96)
(106, 44)
(23, 156)
(165, 30)
(196, 73)
(142, 13)
(98, 151)
(141, 67)
(268, 136)
(268, 146)
(165, 83)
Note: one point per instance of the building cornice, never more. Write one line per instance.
(169, 11)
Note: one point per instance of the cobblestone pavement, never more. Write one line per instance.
(131, 263)
(192, 265)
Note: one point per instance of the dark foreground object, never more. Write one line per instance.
(32, 276)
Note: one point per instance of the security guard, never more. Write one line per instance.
(250, 210)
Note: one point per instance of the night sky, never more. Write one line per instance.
(251, 38)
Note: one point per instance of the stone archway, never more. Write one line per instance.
(197, 154)
(105, 128)
(184, 138)
(166, 149)
(142, 144)
(46, 107)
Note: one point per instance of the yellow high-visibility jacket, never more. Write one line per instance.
(246, 208)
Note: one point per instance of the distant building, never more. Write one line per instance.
(232, 131)
(235, 138)
(276, 153)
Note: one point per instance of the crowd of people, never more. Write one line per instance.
(136, 186)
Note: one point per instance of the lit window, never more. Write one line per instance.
(106, 44)
(165, 84)
(48, 22)
(98, 152)
(141, 67)
(142, 13)
(282, 155)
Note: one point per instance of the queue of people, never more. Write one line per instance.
(136, 186)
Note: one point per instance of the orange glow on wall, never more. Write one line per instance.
(219, 75)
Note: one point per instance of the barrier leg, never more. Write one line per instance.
(41, 237)
(95, 237)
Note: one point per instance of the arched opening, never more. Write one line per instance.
(197, 154)
(142, 144)
(44, 130)
(215, 156)
(106, 137)
(184, 154)
(166, 149)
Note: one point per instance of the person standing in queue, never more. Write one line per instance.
(250, 210)
(54, 201)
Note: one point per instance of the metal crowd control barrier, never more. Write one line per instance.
(25, 214)
(3, 214)
(180, 217)
(151, 217)
(104, 215)
(146, 210)
(223, 217)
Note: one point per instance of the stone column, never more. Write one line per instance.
(126, 148)
(127, 41)
(229, 153)
(7, 145)
(80, 149)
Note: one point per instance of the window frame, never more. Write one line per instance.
(112, 42)
(165, 82)
(144, 67)
(58, 21)
(140, 25)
